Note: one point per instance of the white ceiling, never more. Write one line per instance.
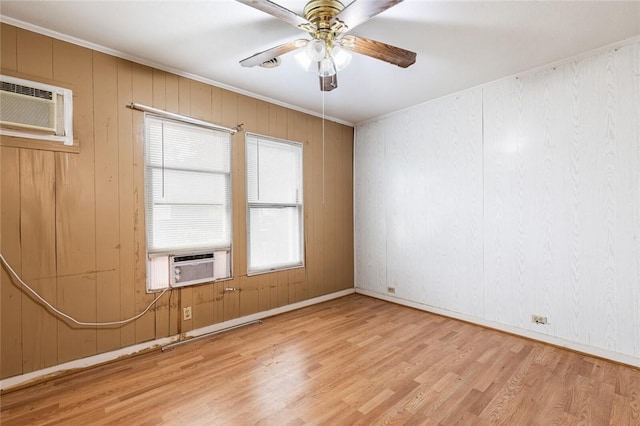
(459, 44)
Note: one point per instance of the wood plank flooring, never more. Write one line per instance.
(354, 360)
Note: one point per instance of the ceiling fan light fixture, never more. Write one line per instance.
(341, 58)
(316, 50)
(304, 61)
(326, 68)
(329, 50)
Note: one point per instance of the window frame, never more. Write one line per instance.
(249, 206)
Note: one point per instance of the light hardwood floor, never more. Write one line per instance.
(355, 360)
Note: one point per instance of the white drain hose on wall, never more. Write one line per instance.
(68, 317)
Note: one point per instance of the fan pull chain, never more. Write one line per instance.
(323, 147)
(162, 127)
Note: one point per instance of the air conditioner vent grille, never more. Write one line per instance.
(27, 91)
(34, 112)
(193, 257)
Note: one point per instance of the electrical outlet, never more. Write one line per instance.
(186, 313)
(538, 319)
(391, 290)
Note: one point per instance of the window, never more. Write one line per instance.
(188, 203)
(274, 204)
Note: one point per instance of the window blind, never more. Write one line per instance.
(187, 187)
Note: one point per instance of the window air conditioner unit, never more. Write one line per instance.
(191, 269)
(35, 110)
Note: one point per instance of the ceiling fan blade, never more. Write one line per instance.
(327, 84)
(360, 11)
(274, 52)
(280, 12)
(378, 50)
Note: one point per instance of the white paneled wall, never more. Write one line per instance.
(517, 198)
(418, 196)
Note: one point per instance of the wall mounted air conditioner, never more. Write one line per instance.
(35, 110)
(166, 270)
(191, 269)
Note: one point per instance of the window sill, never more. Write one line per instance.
(273, 270)
(43, 145)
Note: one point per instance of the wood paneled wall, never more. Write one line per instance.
(73, 223)
(521, 197)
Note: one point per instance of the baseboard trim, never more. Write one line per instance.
(15, 382)
(544, 338)
(265, 314)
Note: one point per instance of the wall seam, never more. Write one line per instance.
(482, 149)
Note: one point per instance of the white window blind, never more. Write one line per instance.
(274, 201)
(188, 187)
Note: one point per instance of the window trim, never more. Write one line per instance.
(283, 266)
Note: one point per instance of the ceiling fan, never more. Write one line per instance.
(327, 22)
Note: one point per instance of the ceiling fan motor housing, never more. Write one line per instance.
(320, 13)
